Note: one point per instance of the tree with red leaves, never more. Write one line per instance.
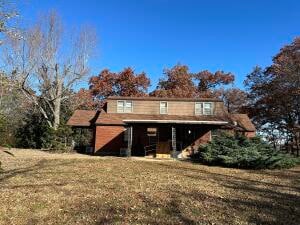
(274, 93)
(178, 82)
(130, 84)
(84, 99)
(124, 83)
(208, 81)
(103, 85)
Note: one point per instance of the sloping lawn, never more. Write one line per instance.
(43, 188)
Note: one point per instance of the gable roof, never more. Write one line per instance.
(83, 118)
(243, 121)
(150, 98)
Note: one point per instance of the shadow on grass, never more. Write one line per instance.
(152, 212)
(277, 203)
(170, 210)
(42, 164)
(293, 176)
(258, 201)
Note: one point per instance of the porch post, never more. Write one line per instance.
(174, 140)
(129, 147)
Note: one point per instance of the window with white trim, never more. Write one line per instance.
(207, 108)
(128, 107)
(124, 106)
(198, 108)
(163, 108)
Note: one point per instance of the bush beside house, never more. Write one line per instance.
(240, 152)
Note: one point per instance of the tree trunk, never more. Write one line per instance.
(56, 115)
(58, 98)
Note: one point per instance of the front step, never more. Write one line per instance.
(163, 156)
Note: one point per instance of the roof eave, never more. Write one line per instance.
(109, 124)
(163, 99)
(177, 122)
(78, 125)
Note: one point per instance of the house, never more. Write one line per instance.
(160, 127)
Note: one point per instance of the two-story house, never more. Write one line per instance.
(161, 127)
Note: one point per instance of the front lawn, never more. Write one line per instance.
(43, 188)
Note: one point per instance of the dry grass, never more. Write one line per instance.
(43, 188)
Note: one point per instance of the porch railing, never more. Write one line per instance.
(150, 148)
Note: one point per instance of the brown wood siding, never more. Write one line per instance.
(220, 109)
(182, 108)
(109, 140)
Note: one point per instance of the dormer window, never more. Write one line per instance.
(124, 106)
(163, 108)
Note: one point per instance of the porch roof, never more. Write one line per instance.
(178, 121)
(87, 118)
(124, 118)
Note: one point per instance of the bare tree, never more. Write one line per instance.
(46, 63)
(7, 27)
(8, 13)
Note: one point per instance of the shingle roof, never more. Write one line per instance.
(243, 121)
(122, 118)
(165, 99)
(86, 118)
(82, 118)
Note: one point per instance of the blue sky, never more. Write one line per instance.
(150, 35)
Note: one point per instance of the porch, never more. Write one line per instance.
(166, 140)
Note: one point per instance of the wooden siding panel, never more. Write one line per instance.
(219, 108)
(182, 108)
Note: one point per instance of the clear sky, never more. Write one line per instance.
(150, 35)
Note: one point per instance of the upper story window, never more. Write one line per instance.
(198, 108)
(124, 106)
(203, 108)
(208, 108)
(163, 107)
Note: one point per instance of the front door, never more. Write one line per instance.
(164, 142)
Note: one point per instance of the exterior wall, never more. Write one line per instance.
(109, 140)
(187, 108)
(200, 135)
(203, 138)
(220, 109)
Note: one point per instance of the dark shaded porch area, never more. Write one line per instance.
(167, 140)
